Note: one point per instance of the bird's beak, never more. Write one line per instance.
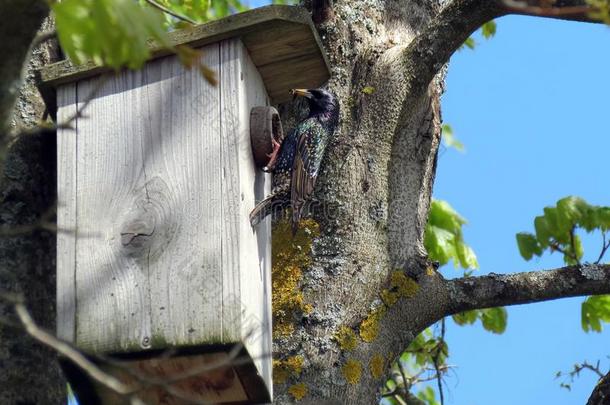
(301, 92)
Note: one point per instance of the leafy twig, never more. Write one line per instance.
(605, 246)
(166, 10)
(439, 377)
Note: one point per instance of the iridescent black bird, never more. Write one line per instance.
(295, 163)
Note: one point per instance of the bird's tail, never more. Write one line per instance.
(297, 211)
(268, 206)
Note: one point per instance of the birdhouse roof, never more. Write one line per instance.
(281, 40)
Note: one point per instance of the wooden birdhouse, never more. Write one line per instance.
(157, 264)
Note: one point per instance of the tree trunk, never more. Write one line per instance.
(29, 373)
(342, 314)
(373, 193)
(354, 287)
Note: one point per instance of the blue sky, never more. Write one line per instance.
(530, 105)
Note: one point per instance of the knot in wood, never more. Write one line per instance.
(150, 224)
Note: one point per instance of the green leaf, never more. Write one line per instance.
(113, 33)
(603, 218)
(428, 396)
(558, 224)
(443, 239)
(576, 252)
(440, 244)
(572, 209)
(528, 245)
(466, 318)
(543, 234)
(494, 319)
(594, 311)
(449, 139)
(443, 215)
(557, 229)
(469, 43)
(467, 257)
(488, 29)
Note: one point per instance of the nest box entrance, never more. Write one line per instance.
(157, 264)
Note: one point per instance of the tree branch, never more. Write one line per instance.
(166, 10)
(494, 290)
(574, 10)
(601, 392)
(431, 49)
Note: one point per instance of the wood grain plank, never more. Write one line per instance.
(246, 252)
(279, 84)
(272, 34)
(277, 41)
(230, 72)
(163, 253)
(255, 253)
(149, 265)
(66, 214)
(187, 280)
(111, 284)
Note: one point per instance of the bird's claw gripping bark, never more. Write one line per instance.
(272, 156)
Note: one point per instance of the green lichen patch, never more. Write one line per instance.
(291, 255)
(352, 371)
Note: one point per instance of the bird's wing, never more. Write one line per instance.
(307, 161)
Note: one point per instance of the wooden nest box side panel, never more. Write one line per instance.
(155, 184)
(156, 180)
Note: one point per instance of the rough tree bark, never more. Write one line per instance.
(361, 270)
(388, 59)
(29, 373)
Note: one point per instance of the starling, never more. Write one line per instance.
(295, 163)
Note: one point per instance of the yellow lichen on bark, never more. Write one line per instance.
(376, 365)
(290, 257)
(294, 364)
(389, 298)
(352, 371)
(280, 373)
(290, 367)
(298, 391)
(406, 286)
(347, 338)
(369, 327)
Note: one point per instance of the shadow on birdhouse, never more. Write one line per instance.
(160, 277)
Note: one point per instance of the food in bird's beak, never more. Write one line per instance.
(300, 92)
